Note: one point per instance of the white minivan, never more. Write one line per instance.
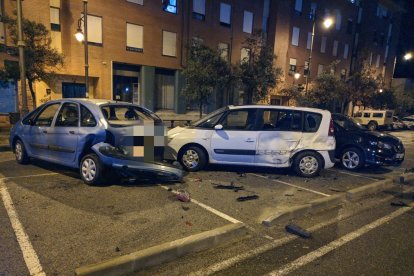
(257, 135)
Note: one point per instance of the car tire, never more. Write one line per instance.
(91, 170)
(372, 126)
(308, 164)
(352, 159)
(20, 152)
(193, 159)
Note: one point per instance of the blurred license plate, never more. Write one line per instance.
(399, 155)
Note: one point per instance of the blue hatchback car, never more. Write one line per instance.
(92, 136)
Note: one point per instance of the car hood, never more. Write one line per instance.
(176, 130)
(383, 137)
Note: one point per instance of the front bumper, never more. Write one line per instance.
(133, 168)
(386, 157)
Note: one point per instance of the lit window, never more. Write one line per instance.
(94, 29)
(298, 7)
(55, 19)
(309, 42)
(225, 14)
(292, 65)
(169, 6)
(248, 22)
(338, 19)
(169, 44)
(377, 64)
(224, 50)
(295, 36)
(346, 51)
(134, 38)
(199, 9)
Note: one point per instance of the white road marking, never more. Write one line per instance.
(310, 257)
(354, 174)
(208, 208)
(27, 176)
(292, 185)
(212, 269)
(29, 254)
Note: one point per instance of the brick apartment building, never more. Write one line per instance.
(137, 48)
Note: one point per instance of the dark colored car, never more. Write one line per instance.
(94, 136)
(356, 146)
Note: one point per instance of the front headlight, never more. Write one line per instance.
(383, 145)
(113, 151)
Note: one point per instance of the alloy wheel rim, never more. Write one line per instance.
(350, 160)
(19, 151)
(308, 165)
(191, 159)
(89, 169)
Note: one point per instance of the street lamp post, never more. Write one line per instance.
(22, 65)
(83, 37)
(327, 23)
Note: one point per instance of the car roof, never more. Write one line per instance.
(85, 101)
(310, 109)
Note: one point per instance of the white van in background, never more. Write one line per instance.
(257, 135)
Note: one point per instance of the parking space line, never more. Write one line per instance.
(353, 174)
(314, 255)
(27, 176)
(225, 264)
(292, 185)
(208, 208)
(29, 254)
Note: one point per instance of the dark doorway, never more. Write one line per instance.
(73, 90)
(126, 83)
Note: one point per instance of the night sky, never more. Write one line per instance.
(405, 69)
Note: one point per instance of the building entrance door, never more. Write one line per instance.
(165, 87)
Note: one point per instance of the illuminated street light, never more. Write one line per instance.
(328, 22)
(381, 90)
(408, 56)
(79, 35)
(297, 76)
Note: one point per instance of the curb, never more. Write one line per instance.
(165, 252)
(327, 202)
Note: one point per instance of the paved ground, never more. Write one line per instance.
(69, 224)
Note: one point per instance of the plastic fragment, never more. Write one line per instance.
(228, 187)
(183, 196)
(297, 230)
(245, 198)
(185, 208)
(399, 203)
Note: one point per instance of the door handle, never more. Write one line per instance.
(71, 132)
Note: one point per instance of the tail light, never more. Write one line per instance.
(331, 130)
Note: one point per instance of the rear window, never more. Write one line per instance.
(126, 115)
(358, 115)
(378, 115)
(367, 115)
(312, 121)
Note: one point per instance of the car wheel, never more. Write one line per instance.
(372, 126)
(20, 153)
(352, 159)
(307, 164)
(91, 169)
(193, 159)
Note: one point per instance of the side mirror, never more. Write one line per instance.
(218, 127)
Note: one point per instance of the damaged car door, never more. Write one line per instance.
(280, 132)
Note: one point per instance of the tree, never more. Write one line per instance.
(206, 71)
(257, 72)
(40, 57)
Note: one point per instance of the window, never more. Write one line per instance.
(378, 115)
(349, 26)
(382, 11)
(335, 48)
(346, 51)
(292, 65)
(248, 22)
(135, 38)
(313, 10)
(169, 6)
(306, 68)
(87, 119)
(68, 116)
(295, 36)
(30, 116)
(367, 115)
(377, 63)
(94, 29)
(323, 44)
(139, 2)
(45, 117)
(224, 50)
(312, 122)
(55, 19)
(320, 69)
(309, 42)
(281, 120)
(240, 120)
(199, 9)
(245, 55)
(298, 7)
(338, 20)
(169, 42)
(225, 14)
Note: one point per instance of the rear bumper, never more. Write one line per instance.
(329, 158)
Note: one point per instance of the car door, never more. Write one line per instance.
(38, 135)
(236, 141)
(280, 134)
(63, 136)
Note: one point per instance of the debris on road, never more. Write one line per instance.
(245, 198)
(183, 196)
(297, 230)
(169, 189)
(228, 187)
(399, 203)
(289, 194)
(117, 249)
(185, 208)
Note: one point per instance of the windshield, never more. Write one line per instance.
(211, 119)
(127, 115)
(347, 123)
